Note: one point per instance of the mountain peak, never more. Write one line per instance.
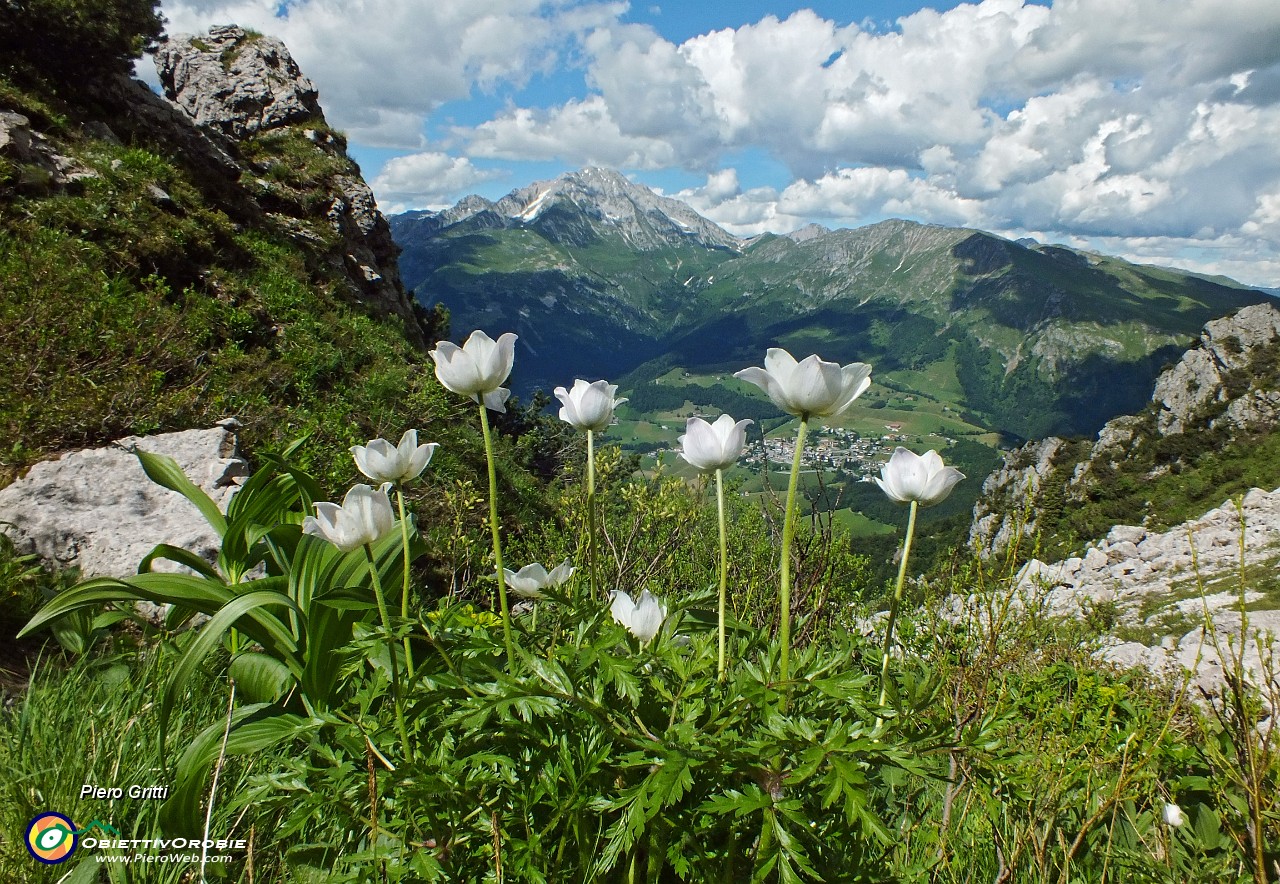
(593, 201)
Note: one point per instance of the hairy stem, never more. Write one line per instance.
(788, 533)
(591, 512)
(497, 542)
(724, 567)
(404, 593)
(391, 650)
(896, 604)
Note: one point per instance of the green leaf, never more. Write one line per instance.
(164, 471)
(261, 678)
(85, 872)
(199, 593)
(182, 557)
(253, 728)
(551, 673)
(330, 623)
(209, 638)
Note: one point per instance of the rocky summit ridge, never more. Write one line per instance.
(1043, 339)
(644, 219)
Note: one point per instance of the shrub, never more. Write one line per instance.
(71, 40)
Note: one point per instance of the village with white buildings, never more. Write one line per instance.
(830, 448)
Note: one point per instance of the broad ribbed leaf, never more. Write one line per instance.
(254, 728)
(261, 678)
(177, 554)
(203, 595)
(164, 471)
(330, 623)
(210, 637)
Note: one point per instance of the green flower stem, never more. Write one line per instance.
(391, 651)
(788, 533)
(896, 604)
(497, 542)
(724, 565)
(591, 512)
(404, 593)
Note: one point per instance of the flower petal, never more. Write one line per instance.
(622, 608)
(560, 573)
(698, 445)
(767, 382)
(455, 369)
(496, 400)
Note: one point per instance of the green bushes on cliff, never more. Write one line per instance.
(70, 40)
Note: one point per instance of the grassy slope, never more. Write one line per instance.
(127, 313)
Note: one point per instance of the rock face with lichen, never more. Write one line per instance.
(43, 169)
(1200, 378)
(236, 82)
(245, 91)
(97, 511)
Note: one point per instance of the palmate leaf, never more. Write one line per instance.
(670, 779)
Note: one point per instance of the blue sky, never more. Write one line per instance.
(1142, 128)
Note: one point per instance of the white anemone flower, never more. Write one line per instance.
(383, 462)
(365, 517)
(710, 447)
(588, 406)
(531, 580)
(923, 478)
(642, 618)
(478, 368)
(1173, 815)
(810, 388)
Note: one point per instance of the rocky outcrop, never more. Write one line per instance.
(1199, 379)
(41, 169)
(1134, 569)
(1209, 656)
(236, 82)
(245, 90)
(1179, 590)
(1227, 382)
(1181, 587)
(1002, 513)
(96, 510)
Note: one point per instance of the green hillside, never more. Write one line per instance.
(161, 285)
(1032, 340)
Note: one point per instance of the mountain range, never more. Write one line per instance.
(602, 277)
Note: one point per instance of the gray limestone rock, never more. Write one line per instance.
(237, 85)
(998, 517)
(1196, 381)
(236, 82)
(45, 168)
(96, 510)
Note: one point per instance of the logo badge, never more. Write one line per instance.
(51, 838)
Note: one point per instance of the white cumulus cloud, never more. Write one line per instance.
(1140, 122)
(382, 66)
(428, 179)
